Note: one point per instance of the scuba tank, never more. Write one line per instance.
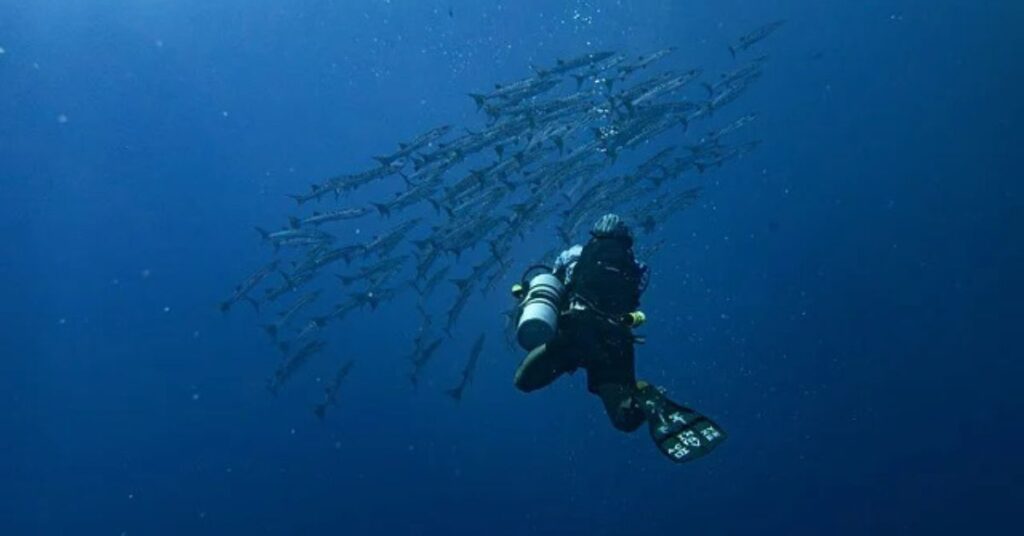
(541, 304)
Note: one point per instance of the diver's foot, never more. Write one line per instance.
(679, 432)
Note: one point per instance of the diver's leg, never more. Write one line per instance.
(611, 375)
(621, 406)
(542, 366)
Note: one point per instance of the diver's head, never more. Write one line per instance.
(611, 226)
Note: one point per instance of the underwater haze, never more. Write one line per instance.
(843, 297)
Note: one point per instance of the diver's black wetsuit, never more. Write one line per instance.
(602, 292)
(605, 285)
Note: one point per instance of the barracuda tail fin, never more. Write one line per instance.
(437, 206)
(255, 304)
(479, 99)
(455, 393)
(580, 78)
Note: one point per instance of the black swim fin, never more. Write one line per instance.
(680, 433)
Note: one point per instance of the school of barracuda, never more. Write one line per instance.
(546, 158)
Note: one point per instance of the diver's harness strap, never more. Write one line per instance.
(580, 304)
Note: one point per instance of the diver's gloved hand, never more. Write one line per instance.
(680, 433)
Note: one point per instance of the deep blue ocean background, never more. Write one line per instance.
(845, 301)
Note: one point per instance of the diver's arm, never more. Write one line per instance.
(565, 262)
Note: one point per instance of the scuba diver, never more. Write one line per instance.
(581, 314)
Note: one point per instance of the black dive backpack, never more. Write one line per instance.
(607, 277)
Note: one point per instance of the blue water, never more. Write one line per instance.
(845, 301)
